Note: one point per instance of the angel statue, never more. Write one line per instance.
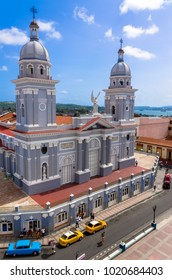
(95, 102)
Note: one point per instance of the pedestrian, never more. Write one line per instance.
(92, 216)
(136, 162)
(154, 187)
(53, 247)
(103, 237)
(38, 234)
(43, 232)
(78, 219)
(77, 255)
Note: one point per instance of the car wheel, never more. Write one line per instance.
(80, 238)
(94, 232)
(14, 255)
(35, 253)
(104, 227)
(67, 244)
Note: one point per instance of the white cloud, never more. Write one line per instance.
(141, 5)
(45, 26)
(109, 35)
(49, 28)
(82, 13)
(133, 32)
(138, 53)
(4, 68)
(13, 36)
(55, 35)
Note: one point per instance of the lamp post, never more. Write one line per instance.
(154, 210)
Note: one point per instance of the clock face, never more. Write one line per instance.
(42, 106)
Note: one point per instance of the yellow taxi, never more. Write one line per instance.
(70, 237)
(94, 226)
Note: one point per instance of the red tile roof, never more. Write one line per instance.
(62, 194)
(153, 141)
(8, 117)
(63, 120)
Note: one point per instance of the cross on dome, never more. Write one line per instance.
(34, 11)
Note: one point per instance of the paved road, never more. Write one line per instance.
(118, 228)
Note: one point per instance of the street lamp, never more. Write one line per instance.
(154, 210)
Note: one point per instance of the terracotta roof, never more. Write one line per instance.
(63, 120)
(7, 131)
(153, 141)
(62, 194)
(8, 117)
(94, 120)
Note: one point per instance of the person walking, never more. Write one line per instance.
(92, 216)
(43, 232)
(103, 237)
(53, 247)
(78, 219)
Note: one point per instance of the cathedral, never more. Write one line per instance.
(48, 156)
(48, 151)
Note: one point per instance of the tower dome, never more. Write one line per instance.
(34, 49)
(120, 68)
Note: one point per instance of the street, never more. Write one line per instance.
(118, 228)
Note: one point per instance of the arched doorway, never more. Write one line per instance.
(81, 210)
(66, 170)
(94, 156)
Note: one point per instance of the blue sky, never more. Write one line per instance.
(82, 38)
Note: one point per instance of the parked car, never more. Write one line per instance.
(70, 237)
(167, 181)
(94, 226)
(23, 247)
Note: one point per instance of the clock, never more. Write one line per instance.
(42, 106)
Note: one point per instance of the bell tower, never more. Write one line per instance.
(119, 97)
(35, 88)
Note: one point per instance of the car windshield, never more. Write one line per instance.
(64, 236)
(90, 224)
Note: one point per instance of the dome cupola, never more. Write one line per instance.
(120, 74)
(34, 59)
(34, 49)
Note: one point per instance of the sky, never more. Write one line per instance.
(83, 37)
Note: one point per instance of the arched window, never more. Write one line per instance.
(22, 110)
(6, 226)
(113, 110)
(121, 82)
(41, 68)
(30, 69)
(60, 218)
(21, 69)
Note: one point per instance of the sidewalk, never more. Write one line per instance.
(105, 215)
(155, 246)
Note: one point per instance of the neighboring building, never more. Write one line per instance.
(44, 152)
(154, 136)
(152, 127)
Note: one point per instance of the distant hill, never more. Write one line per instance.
(74, 109)
(71, 109)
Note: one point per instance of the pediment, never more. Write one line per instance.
(96, 123)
